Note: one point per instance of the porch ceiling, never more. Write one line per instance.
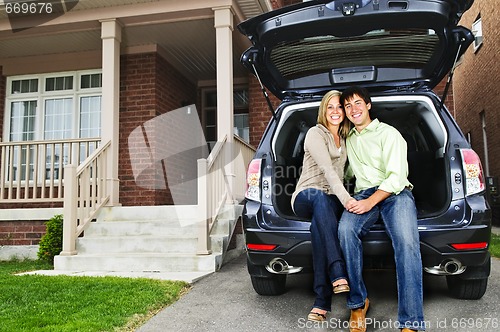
(184, 36)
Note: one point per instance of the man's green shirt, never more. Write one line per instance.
(377, 158)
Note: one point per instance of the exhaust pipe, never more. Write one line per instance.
(448, 267)
(279, 266)
(452, 266)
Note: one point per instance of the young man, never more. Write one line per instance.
(377, 158)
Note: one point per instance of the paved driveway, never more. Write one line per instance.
(226, 301)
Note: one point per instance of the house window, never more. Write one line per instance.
(209, 115)
(477, 30)
(57, 106)
(54, 106)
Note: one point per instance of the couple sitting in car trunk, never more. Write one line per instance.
(377, 159)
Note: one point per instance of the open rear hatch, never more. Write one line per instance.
(383, 45)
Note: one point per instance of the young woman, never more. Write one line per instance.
(321, 196)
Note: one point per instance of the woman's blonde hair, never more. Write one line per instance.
(345, 126)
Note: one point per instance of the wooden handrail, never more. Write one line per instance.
(85, 192)
(214, 189)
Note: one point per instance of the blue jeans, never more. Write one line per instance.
(328, 263)
(399, 216)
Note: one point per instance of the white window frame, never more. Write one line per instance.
(477, 30)
(76, 93)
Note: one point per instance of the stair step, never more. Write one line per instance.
(149, 240)
(135, 228)
(149, 262)
(146, 244)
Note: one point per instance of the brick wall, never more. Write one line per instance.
(21, 232)
(439, 90)
(476, 84)
(149, 86)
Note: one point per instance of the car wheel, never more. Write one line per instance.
(272, 285)
(466, 289)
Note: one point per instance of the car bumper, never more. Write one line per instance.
(435, 245)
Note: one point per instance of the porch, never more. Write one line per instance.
(178, 240)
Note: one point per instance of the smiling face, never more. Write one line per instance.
(357, 111)
(334, 112)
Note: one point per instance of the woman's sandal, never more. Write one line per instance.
(316, 316)
(341, 288)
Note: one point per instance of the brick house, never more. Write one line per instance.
(75, 85)
(73, 89)
(476, 91)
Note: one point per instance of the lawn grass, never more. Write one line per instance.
(495, 245)
(63, 303)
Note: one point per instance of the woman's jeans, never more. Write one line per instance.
(328, 263)
(399, 216)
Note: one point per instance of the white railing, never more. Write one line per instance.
(34, 171)
(85, 192)
(214, 189)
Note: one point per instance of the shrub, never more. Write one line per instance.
(51, 242)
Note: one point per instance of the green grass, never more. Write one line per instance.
(495, 245)
(63, 303)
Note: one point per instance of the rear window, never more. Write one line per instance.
(408, 49)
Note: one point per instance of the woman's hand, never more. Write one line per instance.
(359, 207)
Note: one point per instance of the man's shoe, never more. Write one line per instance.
(407, 330)
(357, 321)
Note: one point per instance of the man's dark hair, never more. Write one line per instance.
(348, 93)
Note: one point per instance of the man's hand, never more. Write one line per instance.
(359, 207)
(365, 205)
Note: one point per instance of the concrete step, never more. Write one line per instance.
(158, 239)
(138, 228)
(146, 244)
(130, 262)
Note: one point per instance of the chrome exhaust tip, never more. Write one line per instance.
(448, 267)
(280, 266)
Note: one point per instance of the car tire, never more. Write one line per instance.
(269, 286)
(466, 289)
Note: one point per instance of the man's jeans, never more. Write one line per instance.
(399, 216)
(328, 263)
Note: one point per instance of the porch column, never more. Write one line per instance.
(111, 35)
(225, 121)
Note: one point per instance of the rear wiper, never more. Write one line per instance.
(265, 93)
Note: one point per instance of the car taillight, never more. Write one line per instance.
(253, 180)
(261, 247)
(474, 178)
(470, 246)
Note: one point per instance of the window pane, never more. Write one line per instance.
(477, 30)
(24, 86)
(85, 82)
(241, 127)
(58, 115)
(240, 99)
(91, 81)
(22, 120)
(211, 118)
(90, 116)
(96, 81)
(211, 99)
(59, 83)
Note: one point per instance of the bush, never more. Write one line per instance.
(51, 242)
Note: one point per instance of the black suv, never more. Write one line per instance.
(399, 50)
